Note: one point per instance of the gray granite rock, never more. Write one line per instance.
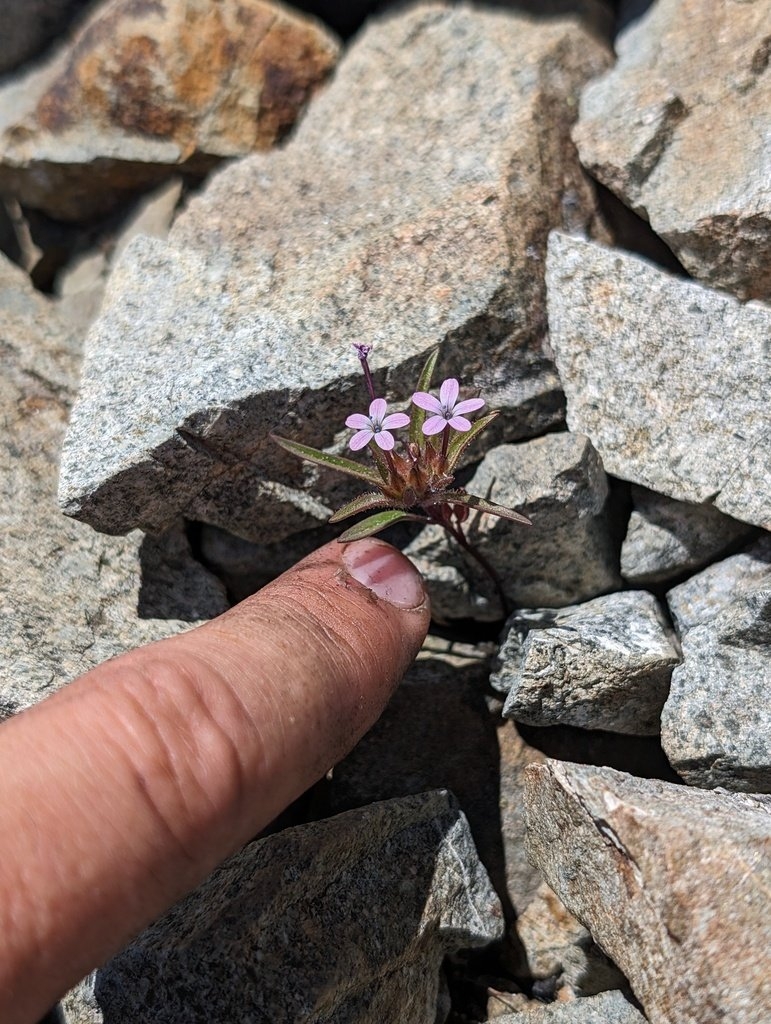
(441, 730)
(716, 723)
(715, 589)
(415, 216)
(673, 882)
(679, 128)
(146, 88)
(566, 556)
(342, 920)
(605, 1008)
(69, 598)
(558, 952)
(667, 538)
(605, 664)
(669, 379)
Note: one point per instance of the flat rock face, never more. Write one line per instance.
(605, 1008)
(716, 724)
(150, 84)
(605, 664)
(405, 219)
(669, 379)
(674, 883)
(717, 588)
(679, 128)
(566, 556)
(345, 921)
(667, 538)
(69, 598)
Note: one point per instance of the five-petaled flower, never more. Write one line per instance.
(448, 411)
(377, 426)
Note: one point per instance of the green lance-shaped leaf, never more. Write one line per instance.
(460, 442)
(348, 466)
(418, 415)
(480, 504)
(364, 503)
(374, 524)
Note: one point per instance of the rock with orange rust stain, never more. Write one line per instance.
(148, 86)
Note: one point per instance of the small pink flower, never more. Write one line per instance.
(447, 409)
(377, 425)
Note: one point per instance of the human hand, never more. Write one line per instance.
(125, 789)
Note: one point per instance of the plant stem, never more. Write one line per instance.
(455, 530)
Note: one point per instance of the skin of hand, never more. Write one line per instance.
(127, 787)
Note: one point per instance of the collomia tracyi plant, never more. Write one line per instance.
(413, 478)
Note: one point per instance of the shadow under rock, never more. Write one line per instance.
(173, 584)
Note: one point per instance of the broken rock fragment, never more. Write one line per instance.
(673, 882)
(148, 88)
(668, 379)
(415, 216)
(345, 919)
(605, 664)
(679, 128)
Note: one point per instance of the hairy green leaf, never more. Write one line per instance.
(418, 415)
(460, 442)
(374, 524)
(364, 503)
(348, 466)
(480, 504)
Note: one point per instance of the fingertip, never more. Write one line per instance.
(386, 572)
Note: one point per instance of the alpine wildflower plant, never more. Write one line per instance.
(413, 482)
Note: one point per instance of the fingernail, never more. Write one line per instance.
(386, 572)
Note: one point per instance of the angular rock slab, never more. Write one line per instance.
(713, 591)
(410, 209)
(605, 1008)
(674, 883)
(668, 379)
(667, 538)
(605, 664)
(341, 920)
(148, 87)
(69, 598)
(680, 129)
(566, 556)
(716, 723)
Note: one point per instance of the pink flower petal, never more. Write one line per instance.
(385, 440)
(460, 423)
(358, 421)
(448, 392)
(361, 439)
(378, 408)
(470, 405)
(396, 420)
(434, 425)
(425, 401)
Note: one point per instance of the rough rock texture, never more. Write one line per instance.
(605, 664)
(566, 556)
(440, 730)
(69, 598)
(716, 724)
(558, 952)
(706, 595)
(668, 379)
(667, 538)
(679, 128)
(605, 1008)
(346, 919)
(674, 883)
(29, 26)
(407, 218)
(148, 86)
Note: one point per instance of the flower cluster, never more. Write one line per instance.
(414, 480)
